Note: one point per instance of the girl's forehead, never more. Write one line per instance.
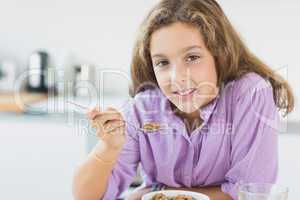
(174, 38)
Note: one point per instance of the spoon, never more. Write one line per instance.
(148, 127)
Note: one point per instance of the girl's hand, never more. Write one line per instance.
(110, 128)
(138, 193)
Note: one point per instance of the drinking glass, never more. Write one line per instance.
(262, 191)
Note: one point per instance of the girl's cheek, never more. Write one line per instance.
(162, 77)
(204, 73)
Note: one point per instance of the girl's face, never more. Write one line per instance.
(184, 68)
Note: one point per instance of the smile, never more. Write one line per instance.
(185, 93)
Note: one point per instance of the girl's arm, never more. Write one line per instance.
(111, 166)
(90, 180)
(254, 138)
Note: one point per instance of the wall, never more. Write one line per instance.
(102, 32)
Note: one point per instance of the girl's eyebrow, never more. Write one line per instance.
(191, 47)
(158, 56)
(182, 51)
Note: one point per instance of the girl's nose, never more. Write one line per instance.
(179, 74)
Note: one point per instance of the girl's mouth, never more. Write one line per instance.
(186, 92)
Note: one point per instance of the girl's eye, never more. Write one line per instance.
(192, 58)
(161, 63)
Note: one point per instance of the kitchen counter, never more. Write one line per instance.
(10, 102)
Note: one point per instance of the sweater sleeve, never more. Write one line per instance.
(126, 167)
(254, 156)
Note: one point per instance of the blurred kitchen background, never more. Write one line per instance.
(87, 44)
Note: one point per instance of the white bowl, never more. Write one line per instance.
(173, 193)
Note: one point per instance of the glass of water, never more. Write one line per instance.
(262, 191)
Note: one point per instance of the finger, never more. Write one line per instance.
(107, 126)
(93, 113)
(108, 116)
(112, 109)
(112, 125)
(100, 133)
(119, 130)
(95, 124)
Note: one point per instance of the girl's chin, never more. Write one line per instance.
(187, 108)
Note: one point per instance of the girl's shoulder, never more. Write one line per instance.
(149, 97)
(147, 103)
(152, 93)
(246, 85)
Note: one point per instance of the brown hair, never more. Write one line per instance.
(219, 37)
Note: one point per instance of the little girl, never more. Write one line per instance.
(215, 105)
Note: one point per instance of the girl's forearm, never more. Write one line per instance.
(91, 178)
(213, 192)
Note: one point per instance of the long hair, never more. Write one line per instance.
(232, 58)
